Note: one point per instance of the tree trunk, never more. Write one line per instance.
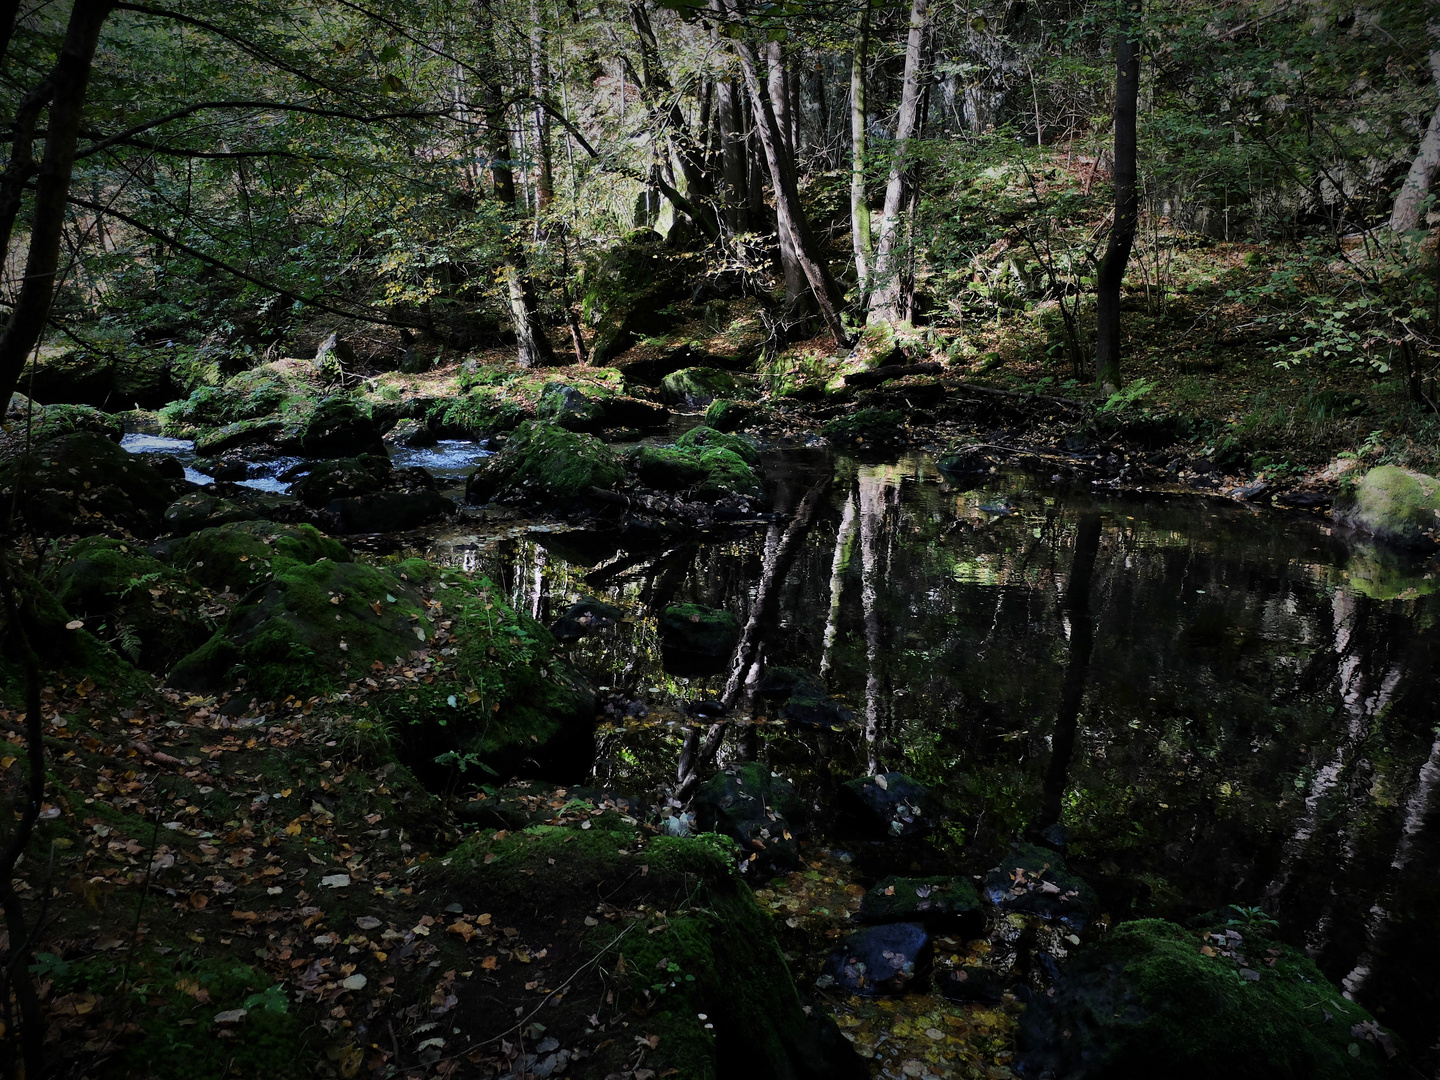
(1408, 204)
(734, 196)
(70, 79)
(540, 81)
(1127, 208)
(859, 198)
(885, 297)
(532, 346)
(790, 217)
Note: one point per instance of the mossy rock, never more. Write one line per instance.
(1033, 880)
(340, 427)
(1396, 506)
(310, 629)
(707, 975)
(541, 463)
(703, 437)
(65, 651)
(113, 379)
(867, 427)
(197, 510)
(242, 554)
(695, 638)
(502, 702)
(934, 901)
(761, 812)
(694, 387)
(47, 422)
(227, 437)
(706, 473)
(340, 478)
(569, 408)
(726, 415)
(1150, 1000)
(153, 614)
(247, 396)
(78, 481)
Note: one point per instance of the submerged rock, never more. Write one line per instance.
(881, 961)
(887, 805)
(541, 462)
(972, 984)
(76, 482)
(1153, 999)
(1032, 880)
(385, 511)
(698, 639)
(1396, 506)
(585, 617)
(757, 810)
(951, 902)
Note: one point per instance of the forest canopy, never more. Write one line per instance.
(245, 175)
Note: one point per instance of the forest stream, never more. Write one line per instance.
(1257, 723)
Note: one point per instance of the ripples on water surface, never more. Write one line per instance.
(1258, 721)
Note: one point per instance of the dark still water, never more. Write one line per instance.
(1257, 718)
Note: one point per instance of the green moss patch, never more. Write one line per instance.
(543, 462)
(244, 553)
(1153, 999)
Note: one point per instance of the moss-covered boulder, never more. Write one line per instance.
(1153, 999)
(709, 438)
(702, 981)
(695, 639)
(242, 554)
(696, 387)
(1033, 880)
(308, 629)
(501, 703)
(567, 407)
(149, 612)
(1396, 506)
(197, 510)
(544, 463)
(82, 481)
(726, 415)
(46, 422)
(340, 478)
(951, 902)
(242, 433)
(757, 809)
(874, 428)
(385, 512)
(247, 396)
(340, 427)
(69, 652)
(704, 473)
(112, 378)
